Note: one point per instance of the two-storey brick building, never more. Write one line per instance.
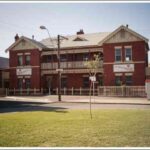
(123, 52)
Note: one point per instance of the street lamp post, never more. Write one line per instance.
(58, 57)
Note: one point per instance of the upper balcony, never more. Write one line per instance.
(66, 65)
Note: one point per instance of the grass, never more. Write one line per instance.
(113, 128)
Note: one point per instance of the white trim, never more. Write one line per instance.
(27, 76)
(19, 54)
(128, 74)
(133, 62)
(20, 77)
(27, 53)
(117, 47)
(128, 46)
(118, 74)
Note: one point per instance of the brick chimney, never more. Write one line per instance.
(80, 32)
(16, 37)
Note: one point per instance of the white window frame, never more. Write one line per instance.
(127, 47)
(118, 47)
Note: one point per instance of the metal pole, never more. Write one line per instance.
(59, 73)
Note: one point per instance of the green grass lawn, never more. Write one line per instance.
(111, 128)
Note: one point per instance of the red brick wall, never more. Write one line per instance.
(138, 54)
(35, 64)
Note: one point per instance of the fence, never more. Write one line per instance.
(123, 91)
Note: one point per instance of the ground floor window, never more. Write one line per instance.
(85, 82)
(128, 80)
(64, 82)
(27, 83)
(118, 80)
(20, 83)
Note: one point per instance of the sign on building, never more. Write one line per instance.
(24, 71)
(93, 78)
(123, 68)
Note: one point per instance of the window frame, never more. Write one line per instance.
(18, 63)
(118, 48)
(126, 53)
(116, 84)
(26, 60)
(87, 83)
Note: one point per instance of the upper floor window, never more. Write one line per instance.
(63, 57)
(117, 54)
(128, 54)
(20, 60)
(49, 58)
(27, 59)
(85, 56)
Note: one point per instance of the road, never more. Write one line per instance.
(16, 106)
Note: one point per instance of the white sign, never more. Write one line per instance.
(59, 70)
(24, 71)
(124, 68)
(93, 78)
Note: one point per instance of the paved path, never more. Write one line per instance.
(81, 99)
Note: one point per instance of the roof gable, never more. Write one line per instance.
(25, 43)
(123, 34)
(79, 39)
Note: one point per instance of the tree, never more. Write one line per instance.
(92, 66)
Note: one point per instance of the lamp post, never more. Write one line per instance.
(58, 58)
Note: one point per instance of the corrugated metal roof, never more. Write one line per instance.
(91, 39)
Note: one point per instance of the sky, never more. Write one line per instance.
(68, 18)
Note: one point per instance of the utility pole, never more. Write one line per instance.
(59, 72)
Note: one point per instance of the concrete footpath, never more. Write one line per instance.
(79, 99)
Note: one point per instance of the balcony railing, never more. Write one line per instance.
(65, 65)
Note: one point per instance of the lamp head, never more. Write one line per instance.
(42, 27)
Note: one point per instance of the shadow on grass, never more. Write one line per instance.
(15, 106)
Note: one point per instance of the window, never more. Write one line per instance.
(20, 60)
(20, 85)
(85, 56)
(63, 82)
(118, 81)
(128, 54)
(49, 58)
(118, 54)
(27, 59)
(128, 80)
(63, 57)
(27, 83)
(85, 82)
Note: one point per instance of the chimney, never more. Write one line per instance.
(16, 37)
(32, 37)
(127, 25)
(80, 32)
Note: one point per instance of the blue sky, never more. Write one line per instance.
(68, 18)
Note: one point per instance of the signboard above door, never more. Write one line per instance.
(24, 71)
